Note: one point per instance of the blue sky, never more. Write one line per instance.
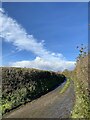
(62, 26)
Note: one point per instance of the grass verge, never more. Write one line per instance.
(65, 86)
(82, 107)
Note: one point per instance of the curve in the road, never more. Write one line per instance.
(51, 105)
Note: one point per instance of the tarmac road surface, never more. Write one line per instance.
(50, 105)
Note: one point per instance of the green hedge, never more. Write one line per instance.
(21, 85)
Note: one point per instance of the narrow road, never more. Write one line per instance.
(51, 105)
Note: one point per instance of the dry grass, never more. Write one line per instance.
(82, 90)
(81, 82)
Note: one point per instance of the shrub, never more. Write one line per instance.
(20, 85)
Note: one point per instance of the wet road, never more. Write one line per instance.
(51, 105)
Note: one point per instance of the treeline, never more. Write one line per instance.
(21, 85)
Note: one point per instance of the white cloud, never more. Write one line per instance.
(41, 63)
(14, 33)
(2, 10)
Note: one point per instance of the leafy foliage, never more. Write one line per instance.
(82, 52)
(81, 84)
(21, 85)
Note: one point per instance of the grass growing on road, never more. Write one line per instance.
(66, 86)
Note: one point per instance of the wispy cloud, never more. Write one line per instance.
(14, 33)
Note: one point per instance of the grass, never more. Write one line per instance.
(65, 86)
(82, 107)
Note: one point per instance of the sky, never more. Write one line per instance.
(43, 35)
